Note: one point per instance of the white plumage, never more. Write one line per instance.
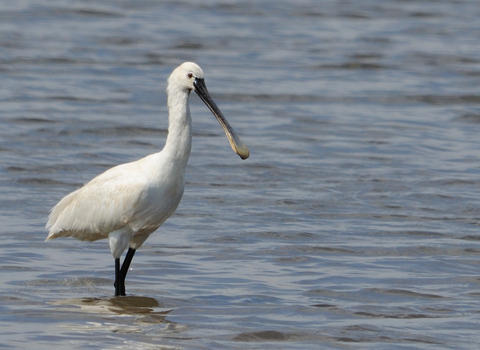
(130, 201)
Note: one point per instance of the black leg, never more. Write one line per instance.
(121, 273)
(127, 261)
(117, 276)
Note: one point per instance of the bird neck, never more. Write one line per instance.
(179, 139)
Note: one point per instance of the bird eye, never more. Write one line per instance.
(190, 75)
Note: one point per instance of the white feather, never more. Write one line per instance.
(130, 201)
(134, 199)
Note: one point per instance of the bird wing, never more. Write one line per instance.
(104, 204)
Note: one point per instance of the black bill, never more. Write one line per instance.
(235, 142)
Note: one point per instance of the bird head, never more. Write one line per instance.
(189, 77)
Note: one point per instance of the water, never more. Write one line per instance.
(353, 225)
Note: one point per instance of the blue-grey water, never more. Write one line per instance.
(354, 224)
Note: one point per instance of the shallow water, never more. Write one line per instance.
(353, 225)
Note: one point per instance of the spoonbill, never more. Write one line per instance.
(130, 201)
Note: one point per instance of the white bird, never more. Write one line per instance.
(130, 201)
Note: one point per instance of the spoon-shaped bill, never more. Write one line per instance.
(237, 144)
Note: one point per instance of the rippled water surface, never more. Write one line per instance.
(353, 225)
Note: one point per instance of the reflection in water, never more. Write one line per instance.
(128, 305)
(135, 321)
